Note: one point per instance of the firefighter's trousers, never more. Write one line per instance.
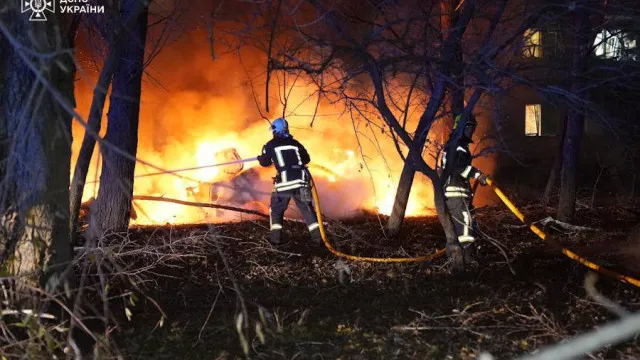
(279, 204)
(461, 209)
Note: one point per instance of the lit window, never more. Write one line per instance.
(533, 120)
(614, 44)
(532, 43)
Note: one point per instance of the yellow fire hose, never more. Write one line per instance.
(330, 247)
(536, 230)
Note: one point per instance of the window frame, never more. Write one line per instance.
(533, 44)
(614, 44)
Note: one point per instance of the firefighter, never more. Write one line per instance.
(292, 180)
(456, 174)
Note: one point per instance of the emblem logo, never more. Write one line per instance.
(38, 8)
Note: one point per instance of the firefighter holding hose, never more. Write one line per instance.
(292, 180)
(456, 174)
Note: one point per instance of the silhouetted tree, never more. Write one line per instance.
(587, 17)
(449, 76)
(111, 210)
(117, 38)
(36, 100)
(387, 59)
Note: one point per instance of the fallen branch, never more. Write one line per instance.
(564, 225)
(198, 204)
(549, 220)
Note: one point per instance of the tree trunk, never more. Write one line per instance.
(570, 160)
(557, 165)
(575, 117)
(111, 209)
(402, 198)
(36, 156)
(95, 116)
(451, 46)
(88, 144)
(408, 170)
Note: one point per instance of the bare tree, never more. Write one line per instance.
(385, 60)
(111, 211)
(118, 36)
(584, 36)
(36, 62)
(449, 75)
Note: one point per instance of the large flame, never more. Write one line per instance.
(202, 108)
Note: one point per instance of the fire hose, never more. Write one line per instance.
(570, 254)
(327, 244)
(536, 230)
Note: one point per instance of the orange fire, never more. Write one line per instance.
(204, 108)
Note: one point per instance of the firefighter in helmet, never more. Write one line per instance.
(292, 180)
(456, 174)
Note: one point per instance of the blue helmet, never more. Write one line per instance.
(280, 127)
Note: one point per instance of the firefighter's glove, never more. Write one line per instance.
(482, 179)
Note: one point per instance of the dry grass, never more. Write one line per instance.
(198, 291)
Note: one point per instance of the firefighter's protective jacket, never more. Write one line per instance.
(289, 158)
(456, 173)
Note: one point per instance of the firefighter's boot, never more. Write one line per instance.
(316, 237)
(470, 254)
(275, 237)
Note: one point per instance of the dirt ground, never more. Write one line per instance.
(305, 303)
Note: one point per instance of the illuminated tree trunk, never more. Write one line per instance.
(36, 146)
(454, 251)
(111, 210)
(448, 18)
(408, 170)
(95, 116)
(89, 142)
